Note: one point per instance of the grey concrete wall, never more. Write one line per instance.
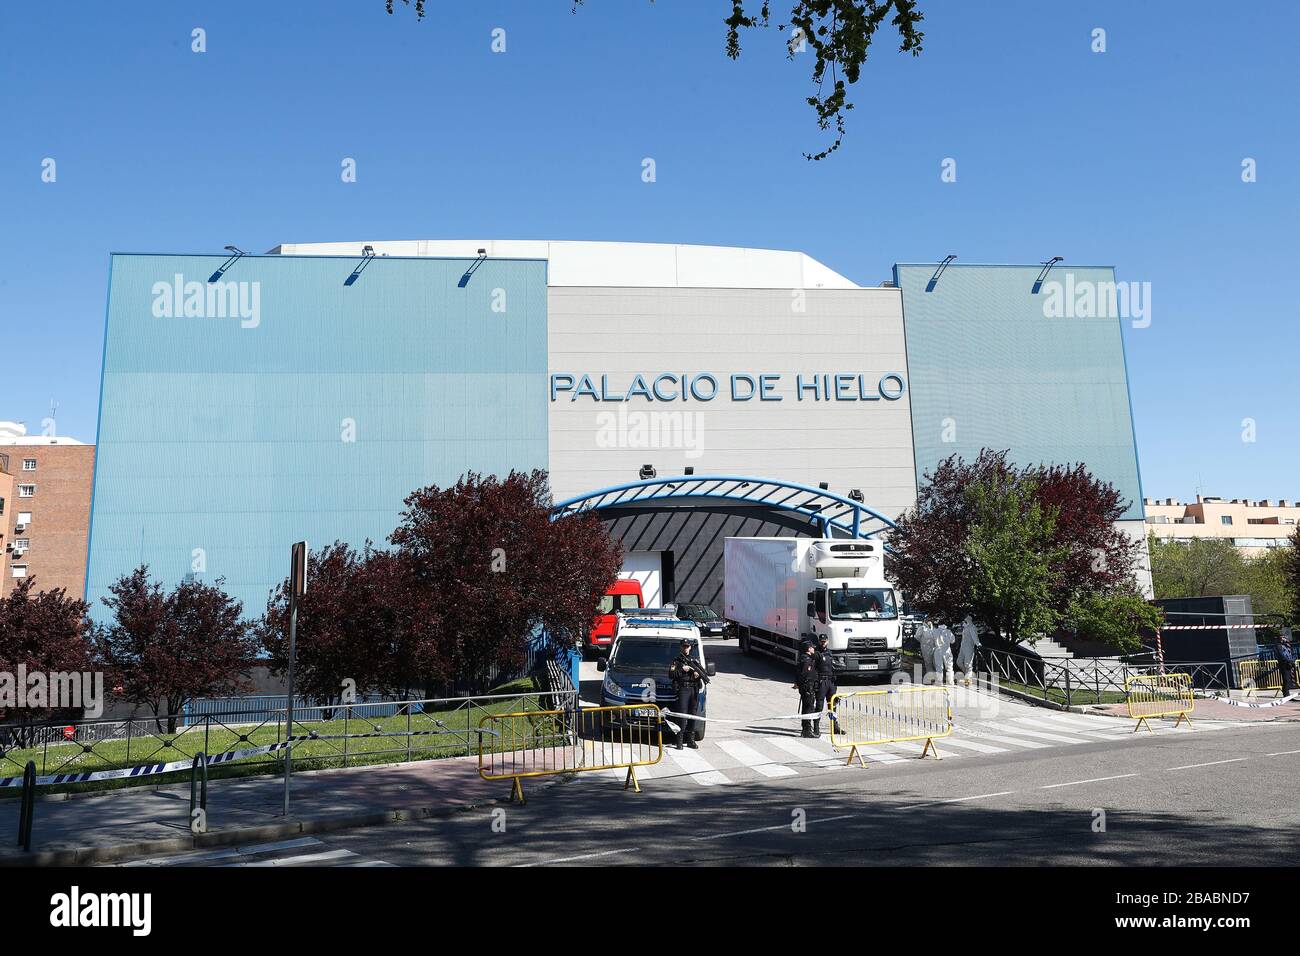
(620, 332)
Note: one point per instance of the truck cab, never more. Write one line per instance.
(852, 604)
(783, 592)
(623, 596)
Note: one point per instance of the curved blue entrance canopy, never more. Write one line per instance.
(836, 515)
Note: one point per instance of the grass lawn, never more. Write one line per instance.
(450, 734)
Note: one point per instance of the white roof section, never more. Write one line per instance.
(617, 264)
(15, 433)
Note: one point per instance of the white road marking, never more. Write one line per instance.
(908, 746)
(779, 826)
(581, 856)
(978, 796)
(807, 753)
(1042, 736)
(1039, 722)
(306, 859)
(700, 770)
(1212, 763)
(751, 758)
(1015, 741)
(953, 741)
(1073, 783)
(1283, 753)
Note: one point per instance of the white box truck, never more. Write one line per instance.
(781, 592)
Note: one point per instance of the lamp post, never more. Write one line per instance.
(297, 588)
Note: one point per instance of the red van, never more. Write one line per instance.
(623, 595)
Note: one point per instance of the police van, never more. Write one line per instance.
(636, 670)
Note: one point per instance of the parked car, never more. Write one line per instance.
(637, 670)
(623, 595)
(709, 621)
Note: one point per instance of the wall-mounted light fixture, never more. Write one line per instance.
(1047, 267)
(934, 279)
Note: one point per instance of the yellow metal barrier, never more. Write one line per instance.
(1159, 695)
(903, 712)
(540, 743)
(1262, 675)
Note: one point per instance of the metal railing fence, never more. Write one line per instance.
(337, 734)
(1079, 681)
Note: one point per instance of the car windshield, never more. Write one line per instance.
(646, 652)
(861, 604)
(701, 612)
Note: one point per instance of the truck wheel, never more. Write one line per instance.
(743, 640)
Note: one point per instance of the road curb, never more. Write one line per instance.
(82, 856)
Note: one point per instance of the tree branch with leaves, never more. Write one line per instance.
(839, 32)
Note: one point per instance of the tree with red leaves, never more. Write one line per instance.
(42, 632)
(351, 625)
(484, 564)
(167, 649)
(1022, 550)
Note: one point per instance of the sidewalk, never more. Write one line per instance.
(126, 823)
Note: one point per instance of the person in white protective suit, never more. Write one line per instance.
(970, 640)
(925, 637)
(944, 639)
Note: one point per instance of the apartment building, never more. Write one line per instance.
(1253, 526)
(45, 484)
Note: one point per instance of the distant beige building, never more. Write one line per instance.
(1253, 526)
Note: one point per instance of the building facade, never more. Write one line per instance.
(45, 485)
(252, 401)
(1255, 527)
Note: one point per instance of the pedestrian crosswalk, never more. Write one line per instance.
(739, 754)
(304, 851)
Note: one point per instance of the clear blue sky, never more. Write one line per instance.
(1131, 157)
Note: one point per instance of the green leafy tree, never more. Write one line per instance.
(1011, 553)
(1291, 573)
(839, 33)
(1264, 578)
(1023, 550)
(1199, 567)
(1115, 619)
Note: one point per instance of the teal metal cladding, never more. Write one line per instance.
(989, 369)
(297, 406)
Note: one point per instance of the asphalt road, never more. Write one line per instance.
(1019, 786)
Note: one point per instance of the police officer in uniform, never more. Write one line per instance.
(688, 677)
(826, 683)
(808, 682)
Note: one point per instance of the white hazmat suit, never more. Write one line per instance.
(925, 637)
(970, 640)
(943, 642)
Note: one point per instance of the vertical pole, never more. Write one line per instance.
(297, 588)
(288, 720)
(1160, 653)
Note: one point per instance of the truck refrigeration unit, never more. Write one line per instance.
(782, 592)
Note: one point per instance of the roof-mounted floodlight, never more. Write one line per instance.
(367, 253)
(934, 279)
(1047, 267)
(473, 268)
(647, 472)
(235, 253)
